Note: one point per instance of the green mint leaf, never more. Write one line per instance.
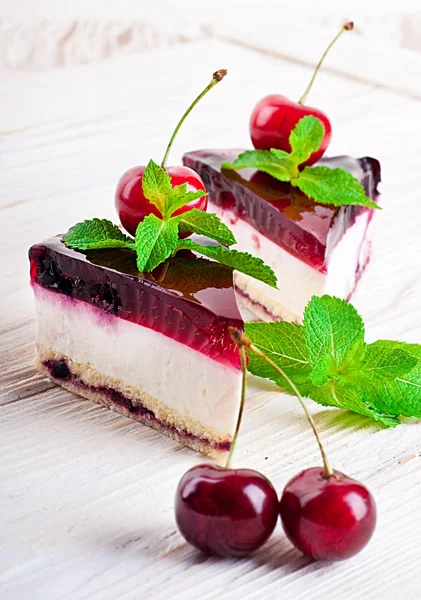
(284, 343)
(332, 186)
(306, 138)
(180, 197)
(279, 153)
(345, 395)
(276, 164)
(156, 184)
(240, 261)
(334, 333)
(206, 224)
(402, 395)
(97, 234)
(385, 361)
(155, 241)
(329, 362)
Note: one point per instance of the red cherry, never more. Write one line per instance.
(328, 518)
(227, 512)
(273, 119)
(132, 206)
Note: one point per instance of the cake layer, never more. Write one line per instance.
(298, 282)
(281, 213)
(182, 387)
(93, 386)
(188, 299)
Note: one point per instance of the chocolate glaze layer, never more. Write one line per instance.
(61, 372)
(282, 213)
(189, 299)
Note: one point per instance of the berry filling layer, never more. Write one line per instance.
(61, 372)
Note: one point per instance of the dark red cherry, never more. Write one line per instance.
(273, 119)
(132, 206)
(227, 512)
(327, 518)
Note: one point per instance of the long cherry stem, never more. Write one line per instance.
(346, 27)
(242, 342)
(216, 78)
(242, 350)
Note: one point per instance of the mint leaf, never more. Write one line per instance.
(334, 333)
(155, 241)
(332, 186)
(276, 164)
(402, 395)
(324, 185)
(97, 234)
(330, 363)
(284, 343)
(241, 261)
(156, 185)
(384, 361)
(180, 197)
(345, 395)
(306, 138)
(206, 224)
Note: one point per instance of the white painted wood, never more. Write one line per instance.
(87, 495)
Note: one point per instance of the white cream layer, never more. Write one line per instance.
(297, 281)
(185, 380)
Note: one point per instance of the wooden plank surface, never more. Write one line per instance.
(86, 495)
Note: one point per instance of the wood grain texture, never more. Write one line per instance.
(86, 495)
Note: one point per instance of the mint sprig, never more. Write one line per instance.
(206, 224)
(329, 362)
(332, 186)
(157, 238)
(240, 261)
(155, 241)
(97, 234)
(321, 183)
(275, 163)
(306, 138)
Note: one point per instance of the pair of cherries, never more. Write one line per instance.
(232, 512)
(271, 123)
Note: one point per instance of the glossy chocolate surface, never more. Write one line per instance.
(189, 299)
(280, 212)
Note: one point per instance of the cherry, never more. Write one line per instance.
(133, 207)
(227, 512)
(327, 518)
(273, 119)
(131, 204)
(325, 514)
(275, 116)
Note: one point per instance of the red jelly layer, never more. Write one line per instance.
(188, 299)
(279, 211)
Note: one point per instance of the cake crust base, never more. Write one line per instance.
(86, 382)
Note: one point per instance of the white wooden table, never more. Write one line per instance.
(86, 495)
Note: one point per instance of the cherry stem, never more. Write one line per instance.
(346, 27)
(216, 78)
(242, 342)
(242, 351)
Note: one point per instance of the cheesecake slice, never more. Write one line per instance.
(314, 249)
(154, 347)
